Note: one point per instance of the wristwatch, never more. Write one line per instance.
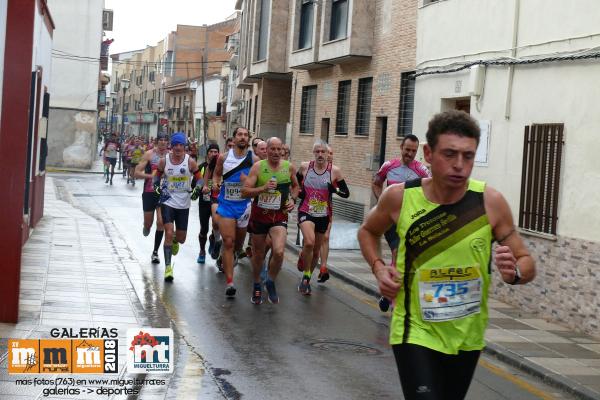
(517, 275)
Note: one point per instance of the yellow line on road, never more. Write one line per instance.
(516, 380)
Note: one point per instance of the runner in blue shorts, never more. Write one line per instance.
(233, 211)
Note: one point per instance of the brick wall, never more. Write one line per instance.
(393, 53)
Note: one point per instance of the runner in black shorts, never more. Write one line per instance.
(204, 202)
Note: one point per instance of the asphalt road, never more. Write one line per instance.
(331, 345)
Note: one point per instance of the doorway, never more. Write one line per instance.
(380, 142)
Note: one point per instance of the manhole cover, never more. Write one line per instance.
(345, 346)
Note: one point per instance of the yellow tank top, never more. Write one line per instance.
(444, 260)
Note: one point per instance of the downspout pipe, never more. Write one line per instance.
(511, 68)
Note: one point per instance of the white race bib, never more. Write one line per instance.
(449, 293)
(233, 191)
(270, 201)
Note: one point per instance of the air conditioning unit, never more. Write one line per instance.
(107, 20)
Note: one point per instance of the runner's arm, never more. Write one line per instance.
(218, 172)
(249, 190)
(294, 189)
(511, 251)
(339, 185)
(379, 219)
(141, 167)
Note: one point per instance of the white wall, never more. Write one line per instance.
(213, 89)
(561, 92)
(79, 32)
(3, 13)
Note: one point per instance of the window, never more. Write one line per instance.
(249, 113)
(218, 113)
(308, 109)
(363, 106)
(343, 108)
(339, 19)
(263, 30)
(306, 24)
(407, 104)
(169, 63)
(540, 177)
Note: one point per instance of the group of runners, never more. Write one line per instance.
(439, 223)
(249, 189)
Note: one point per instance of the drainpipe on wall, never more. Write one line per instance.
(511, 68)
(292, 113)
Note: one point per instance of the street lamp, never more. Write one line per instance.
(158, 128)
(125, 84)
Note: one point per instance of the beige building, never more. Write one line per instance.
(352, 60)
(137, 91)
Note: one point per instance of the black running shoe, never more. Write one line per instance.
(230, 292)
(155, 259)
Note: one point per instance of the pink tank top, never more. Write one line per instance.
(316, 200)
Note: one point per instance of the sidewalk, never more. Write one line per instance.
(563, 358)
(71, 277)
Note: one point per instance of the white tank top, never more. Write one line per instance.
(178, 183)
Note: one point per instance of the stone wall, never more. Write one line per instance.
(565, 288)
(72, 138)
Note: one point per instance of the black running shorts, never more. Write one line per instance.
(177, 216)
(150, 201)
(321, 223)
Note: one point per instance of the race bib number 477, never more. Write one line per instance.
(449, 293)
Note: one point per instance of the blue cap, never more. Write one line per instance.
(178, 138)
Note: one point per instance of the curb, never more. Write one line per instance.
(500, 352)
(72, 170)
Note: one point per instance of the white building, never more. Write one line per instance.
(536, 71)
(72, 133)
(212, 96)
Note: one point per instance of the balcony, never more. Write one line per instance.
(266, 34)
(304, 40)
(347, 30)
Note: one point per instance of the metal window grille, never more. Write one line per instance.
(308, 109)
(540, 178)
(363, 106)
(407, 104)
(255, 108)
(343, 108)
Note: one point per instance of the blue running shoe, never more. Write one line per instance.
(272, 292)
(304, 286)
(201, 258)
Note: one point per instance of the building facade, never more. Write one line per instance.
(351, 61)
(26, 34)
(529, 78)
(263, 76)
(138, 91)
(72, 133)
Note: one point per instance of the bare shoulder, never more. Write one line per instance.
(496, 206)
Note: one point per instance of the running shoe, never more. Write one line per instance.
(256, 295)
(211, 244)
(384, 304)
(110, 181)
(272, 292)
(323, 275)
(300, 263)
(133, 182)
(154, 258)
(201, 258)
(249, 251)
(175, 248)
(169, 273)
(216, 250)
(241, 254)
(106, 179)
(146, 231)
(128, 181)
(230, 292)
(304, 287)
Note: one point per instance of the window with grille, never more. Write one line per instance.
(343, 108)
(363, 106)
(540, 177)
(407, 104)
(339, 19)
(308, 109)
(306, 24)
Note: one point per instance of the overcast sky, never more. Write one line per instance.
(139, 23)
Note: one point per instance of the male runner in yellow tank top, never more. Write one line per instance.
(446, 224)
